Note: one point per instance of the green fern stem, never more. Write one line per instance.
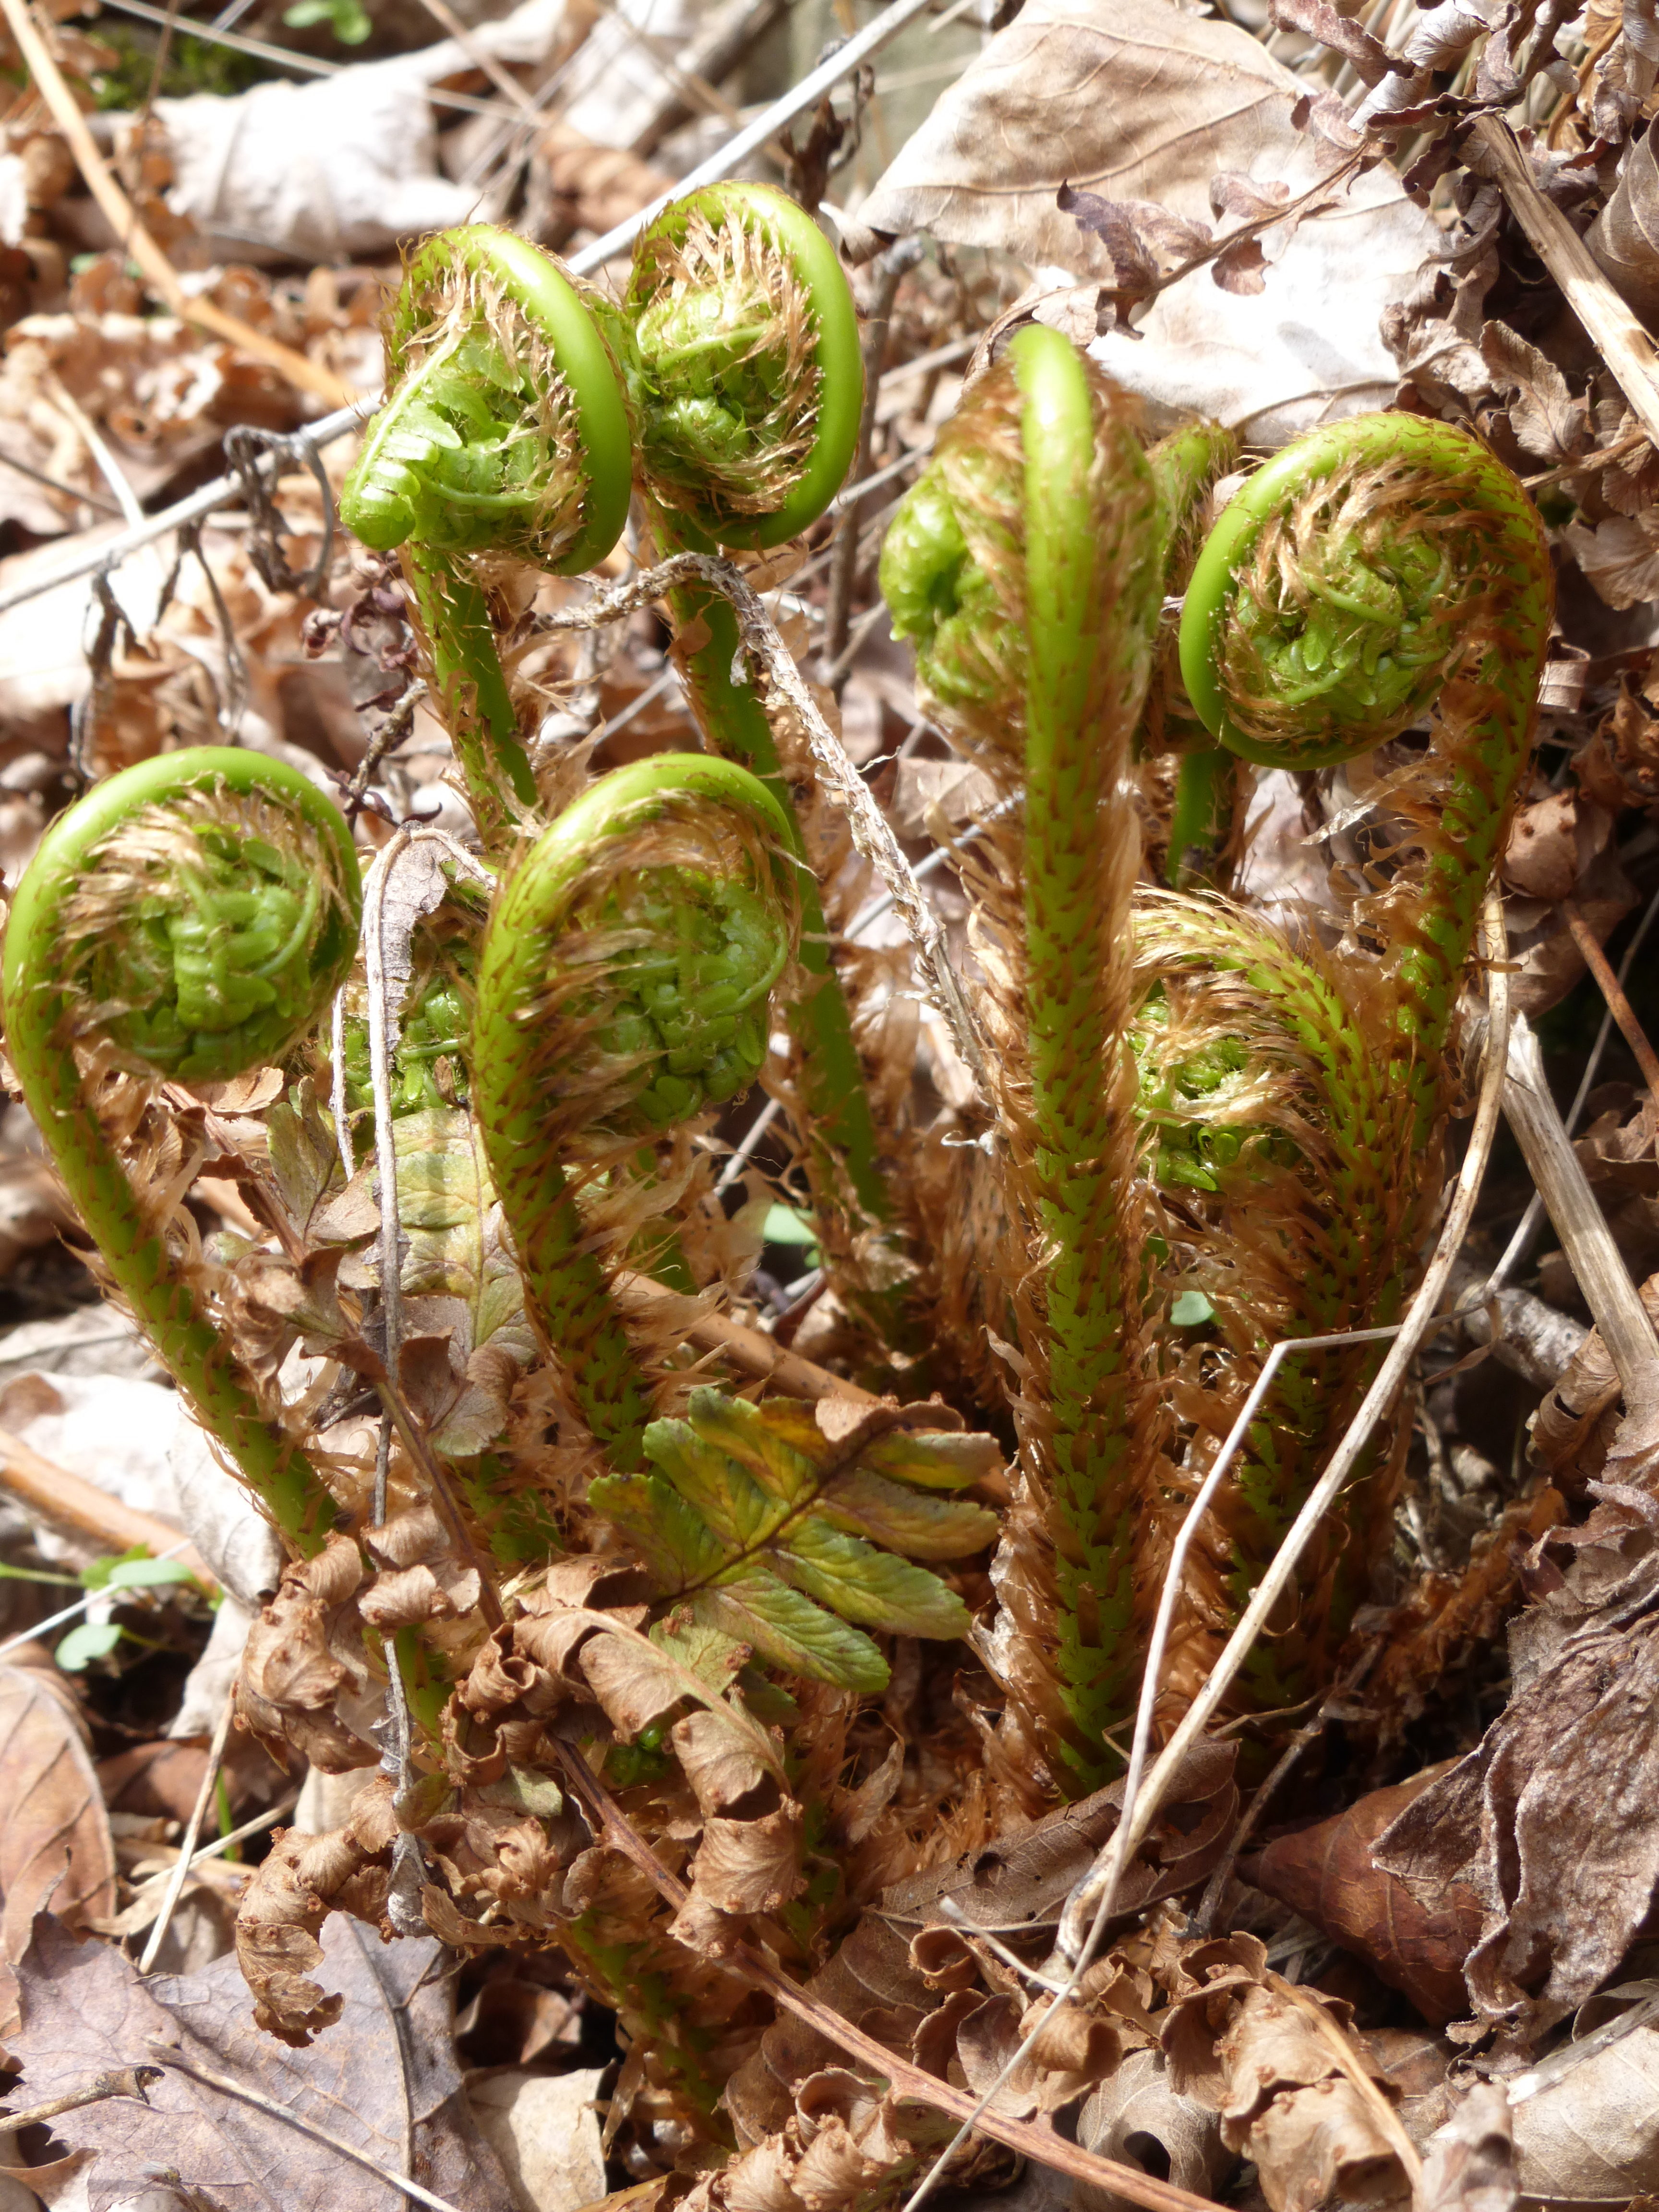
(1343, 590)
(505, 431)
(188, 920)
(623, 986)
(840, 1126)
(1187, 465)
(742, 351)
(1091, 530)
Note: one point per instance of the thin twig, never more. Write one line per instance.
(121, 2082)
(1041, 2144)
(169, 2058)
(736, 150)
(385, 741)
(1590, 945)
(192, 1831)
(1597, 1264)
(871, 831)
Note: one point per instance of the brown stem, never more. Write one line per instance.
(1612, 991)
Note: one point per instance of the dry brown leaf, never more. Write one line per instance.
(1326, 1873)
(1470, 2167)
(55, 1844)
(1549, 1819)
(1190, 98)
(303, 1651)
(870, 1974)
(1624, 236)
(1136, 2118)
(1552, 843)
(1545, 418)
(1295, 2091)
(294, 1890)
(1587, 2125)
(1015, 1886)
(1619, 556)
(750, 1866)
(389, 2085)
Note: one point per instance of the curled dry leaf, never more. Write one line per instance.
(1326, 1873)
(842, 2147)
(1624, 236)
(303, 1881)
(389, 2085)
(55, 1844)
(422, 1579)
(304, 1652)
(1293, 2090)
(1137, 2118)
(1548, 1820)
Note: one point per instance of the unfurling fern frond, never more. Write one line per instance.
(784, 1538)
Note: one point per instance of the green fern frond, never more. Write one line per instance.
(787, 1541)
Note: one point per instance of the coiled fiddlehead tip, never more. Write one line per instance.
(1350, 579)
(624, 987)
(190, 917)
(954, 562)
(632, 957)
(747, 373)
(195, 913)
(506, 426)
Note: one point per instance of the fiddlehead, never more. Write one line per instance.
(742, 350)
(744, 365)
(187, 920)
(624, 987)
(1027, 564)
(1367, 571)
(505, 432)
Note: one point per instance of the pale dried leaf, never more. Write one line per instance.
(55, 1844)
(1624, 236)
(1619, 556)
(1470, 2165)
(389, 2084)
(1190, 98)
(1137, 2119)
(750, 1866)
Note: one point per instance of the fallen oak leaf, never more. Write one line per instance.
(389, 2087)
